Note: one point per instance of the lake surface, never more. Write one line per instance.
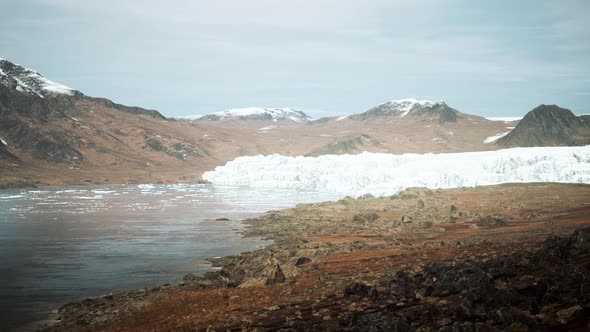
(61, 244)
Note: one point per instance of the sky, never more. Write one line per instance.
(325, 57)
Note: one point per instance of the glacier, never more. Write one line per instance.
(387, 174)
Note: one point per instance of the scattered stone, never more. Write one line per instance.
(406, 219)
(357, 289)
(155, 144)
(302, 260)
(565, 314)
(189, 277)
(493, 222)
(420, 204)
(276, 275)
(365, 217)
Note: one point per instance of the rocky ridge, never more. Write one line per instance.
(28, 81)
(420, 108)
(548, 125)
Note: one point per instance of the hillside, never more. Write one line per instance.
(548, 125)
(53, 134)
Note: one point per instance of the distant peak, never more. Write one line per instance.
(402, 107)
(29, 81)
(416, 101)
(259, 113)
(409, 104)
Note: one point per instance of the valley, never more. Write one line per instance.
(51, 137)
(393, 257)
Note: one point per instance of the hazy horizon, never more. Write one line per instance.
(326, 58)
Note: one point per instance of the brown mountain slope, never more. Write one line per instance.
(60, 136)
(81, 140)
(90, 142)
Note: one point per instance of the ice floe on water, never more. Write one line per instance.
(387, 174)
(3, 197)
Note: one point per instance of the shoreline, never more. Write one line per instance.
(187, 281)
(20, 183)
(34, 304)
(293, 257)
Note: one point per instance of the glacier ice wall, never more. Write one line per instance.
(387, 174)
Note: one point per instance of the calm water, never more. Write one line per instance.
(60, 244)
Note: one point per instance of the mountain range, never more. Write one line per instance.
(255, 113)
(53, 134)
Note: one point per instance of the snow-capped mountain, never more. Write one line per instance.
(26, 80)
(403, 107)
(387, 174)
(258, 113)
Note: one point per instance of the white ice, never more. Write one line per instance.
(386, 174)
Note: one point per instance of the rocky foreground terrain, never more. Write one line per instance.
(513, 257)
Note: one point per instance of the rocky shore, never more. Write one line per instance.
(509, 257)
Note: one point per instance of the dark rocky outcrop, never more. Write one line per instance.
(5, 154)
(180, 151)
(346, 146)
(302, 260)
(442, 112)
(13, 103)
(23, 116)
(548, 125)
(128, 109)
(529, 291)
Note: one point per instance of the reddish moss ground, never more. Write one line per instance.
(346, 252)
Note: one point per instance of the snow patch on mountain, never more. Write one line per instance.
(259, 113)
(28, 81)
(505, 118)
(387, 174)
(3, 141)
(189, 117)
(267, 128)
(402, 107)
(496, 137)
(408, 104)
